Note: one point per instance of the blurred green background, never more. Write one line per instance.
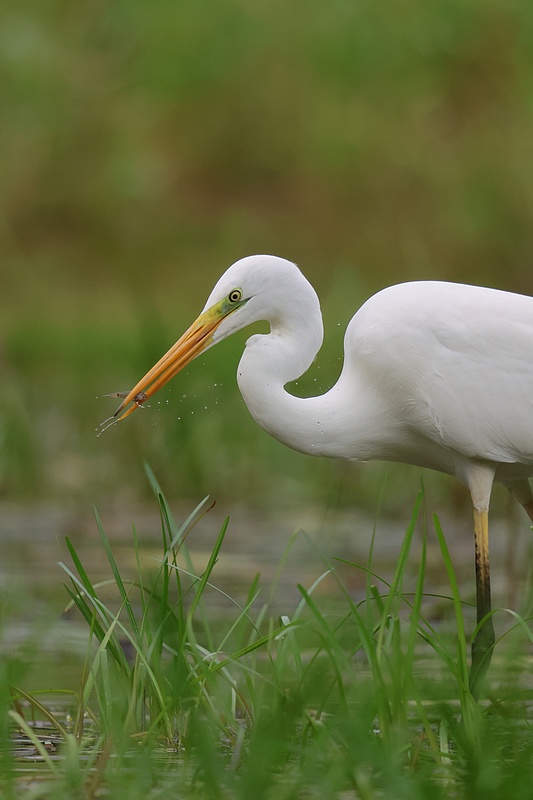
(145, 146)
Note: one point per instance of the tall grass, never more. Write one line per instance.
(357, 697)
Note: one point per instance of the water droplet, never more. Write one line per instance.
(107, 423)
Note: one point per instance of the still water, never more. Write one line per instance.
(48, 641)
(32, 543)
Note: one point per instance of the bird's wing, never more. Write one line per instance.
(457, 362)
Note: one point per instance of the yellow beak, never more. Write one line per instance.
(197, 338)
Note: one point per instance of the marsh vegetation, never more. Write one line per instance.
(144, 148)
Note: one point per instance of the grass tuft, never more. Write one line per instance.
(346, 696)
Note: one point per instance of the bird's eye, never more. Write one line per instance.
(235, 296)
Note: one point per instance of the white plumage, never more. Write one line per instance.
(438, 375)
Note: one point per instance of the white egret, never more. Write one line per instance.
(435, 374)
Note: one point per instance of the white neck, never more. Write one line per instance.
(323, 425)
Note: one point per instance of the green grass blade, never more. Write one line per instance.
(117, 576)
(86, 581)
(399, 572)
(417, 602)
(41, 749)
(468, 704)
(209, 568)
(88, 610)
(42, 709)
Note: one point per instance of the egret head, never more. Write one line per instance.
(254, 288)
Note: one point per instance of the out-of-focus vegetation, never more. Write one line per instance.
(146, 146)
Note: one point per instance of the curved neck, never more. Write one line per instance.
(272, 360)
(352, 420)
(292, 420)
(314, 425)
(340, 423)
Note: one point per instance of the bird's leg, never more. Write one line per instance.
(483, 643)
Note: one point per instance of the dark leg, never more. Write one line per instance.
(483, 643)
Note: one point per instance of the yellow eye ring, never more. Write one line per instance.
(235, 295)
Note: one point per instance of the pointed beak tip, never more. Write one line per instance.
(191, 344)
